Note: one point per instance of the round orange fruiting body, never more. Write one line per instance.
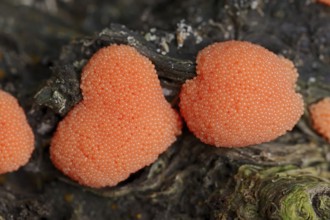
(320, 115)
(327, 2)
(16, 136)
(122, 124)
(243, 94)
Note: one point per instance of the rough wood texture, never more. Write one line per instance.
(191, 180)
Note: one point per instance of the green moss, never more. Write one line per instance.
(283, 192)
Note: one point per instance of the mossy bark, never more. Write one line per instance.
(280, 192)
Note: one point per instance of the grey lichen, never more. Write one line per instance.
(62, 91)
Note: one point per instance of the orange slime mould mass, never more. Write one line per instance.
(16, 136)
(320, 115)
(122, 124)
(327, 2)
(243, 95)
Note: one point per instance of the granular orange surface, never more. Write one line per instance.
(16, 136)
(327, 2)
(320, 115)
(243, 95)
(122, 124)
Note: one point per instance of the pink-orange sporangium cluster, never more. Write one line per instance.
(243, 95)
(16, 136)
(320, 115)
(326, 2)
(122, 124)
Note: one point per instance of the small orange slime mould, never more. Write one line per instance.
(326, 2)
(122, 124)
(320, 115)
(243, 95)
(16, 136)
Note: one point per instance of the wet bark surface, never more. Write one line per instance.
(45, 44)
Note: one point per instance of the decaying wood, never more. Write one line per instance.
(285, 179)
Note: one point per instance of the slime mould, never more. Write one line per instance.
(62, 92)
